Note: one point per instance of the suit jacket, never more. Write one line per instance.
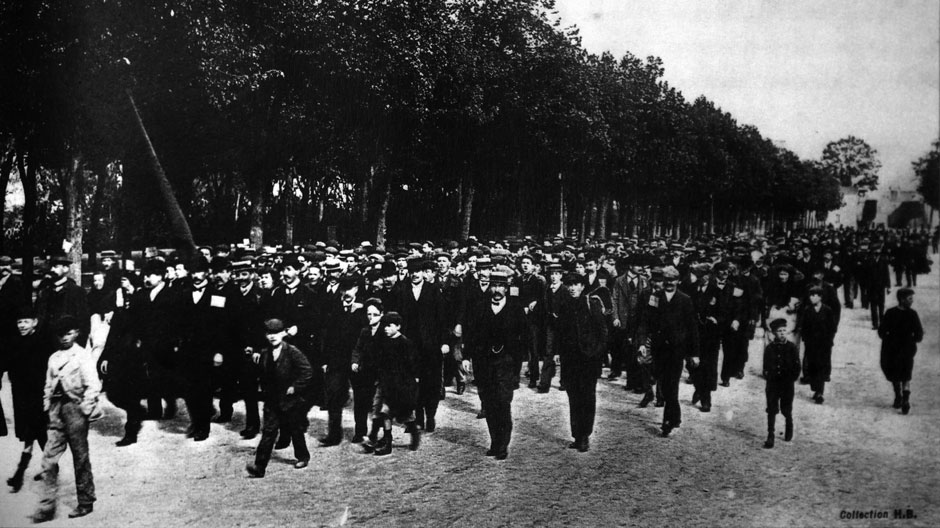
(781, 362)
(423, 321)
(626, 298)
(291, 369)
(670, 329)
(69, 300)
(496, 334)
(582, 328)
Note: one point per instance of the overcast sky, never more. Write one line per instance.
(805, 72)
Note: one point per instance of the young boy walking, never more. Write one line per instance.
(781, 370)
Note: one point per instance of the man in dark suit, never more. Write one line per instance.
(582, 337)
(61, 297)
(626, 296)
(497, 347)
(422, 312)
(530, 289)
(286, 376)
(672, 334)
(208, 334)
(340, 333)
(251, 319)
(878, 283)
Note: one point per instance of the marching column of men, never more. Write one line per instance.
(306, 326)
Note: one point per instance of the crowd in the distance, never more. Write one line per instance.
(306, 326)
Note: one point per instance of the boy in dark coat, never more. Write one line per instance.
(781, 370)
(28, 356)
(397, 393)
(286, 377)
(900, 332)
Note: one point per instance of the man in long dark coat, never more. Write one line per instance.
(900, 332)
(61, 297)
(421, 310)
(497, 346)
(672, 334)
(582, 337)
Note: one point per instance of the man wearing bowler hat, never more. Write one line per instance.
(61, 297)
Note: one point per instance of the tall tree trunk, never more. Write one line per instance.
(288, 194)
(31, 195)
(364, 197)
(256, 195)
(585, 212)
(382, 215)
(6, 167)
(592, 219)
(75, 214)
(181, 232)
(94, 215)
(466, 212)
(602, 217)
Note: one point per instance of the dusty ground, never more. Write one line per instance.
(853, 453)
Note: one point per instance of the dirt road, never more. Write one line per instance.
(853, 455)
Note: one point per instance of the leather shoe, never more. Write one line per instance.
(42, 516)
(647, 398)
(725, 383)
(126, 441)
(491, 452)
(461, 387)
(481, 415)
(666, 431)
(249, 433)
(584, 445)
(574, 445)
(659, 403)
(81, 510)
(543, 390)
(282, 443)
(357, 439)
(200, 437)
(254, 471)
(501, 455)
(431, 426)
(706, 408)
(300, 464)
(695, 397)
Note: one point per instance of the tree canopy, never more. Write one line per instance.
(287, 121)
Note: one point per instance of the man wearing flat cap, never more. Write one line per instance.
(496, 345)
(671, 333)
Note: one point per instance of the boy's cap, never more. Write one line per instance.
(273, 326)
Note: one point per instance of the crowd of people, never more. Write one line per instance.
(299, 328)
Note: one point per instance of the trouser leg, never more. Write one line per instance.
(669, 381)
(55, 447)
(77, 427)
(269, 433)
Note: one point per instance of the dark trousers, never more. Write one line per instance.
(430, 386)
(295, 422)
(68, 426)
(670, 372)
(495, 382)
(877, 305)
(135, 412)
(548, 359)
(734, 358)
(779, 397)
(363, 396)
(199, 404)
(705, 377)
(818, 366)
(533, 343)
(581, 386)
(848, 288)
(898, 273)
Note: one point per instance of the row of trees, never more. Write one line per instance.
(276, 119)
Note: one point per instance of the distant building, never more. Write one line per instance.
(892, 207)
